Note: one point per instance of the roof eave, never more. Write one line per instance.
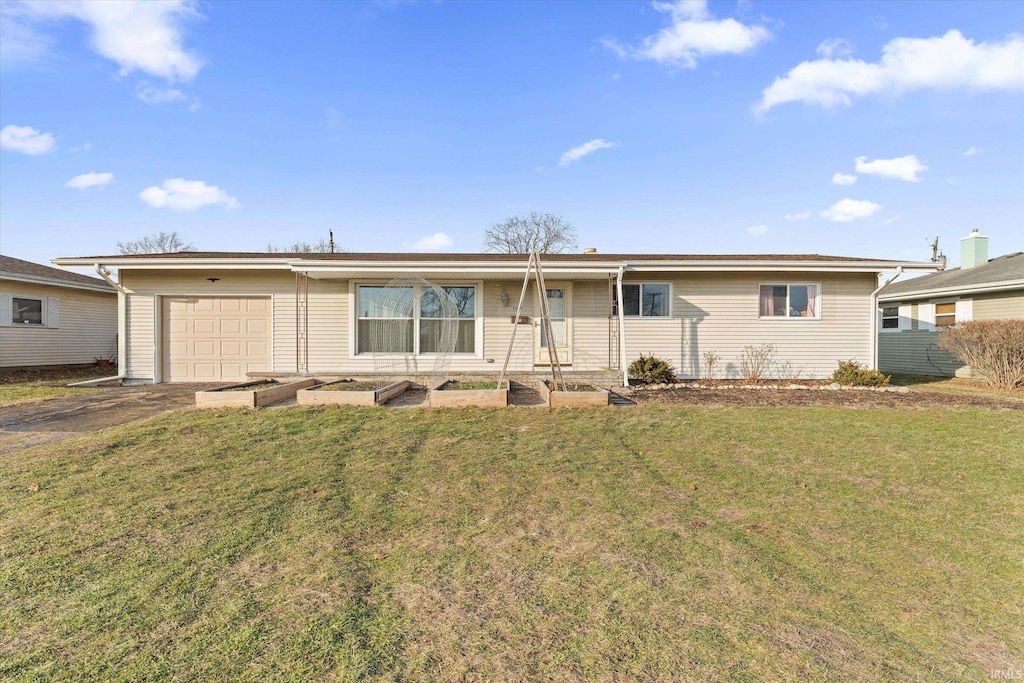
(981, 288)
(56, 282)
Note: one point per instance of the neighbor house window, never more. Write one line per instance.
(891, 318)
(391, 321)
(789, 301)
(26, 311)
(646, 300)
(945, 315)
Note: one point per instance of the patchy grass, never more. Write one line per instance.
(460, 385)
(572, 386)
(346, 386)
(658, 543)
(28, 385)
(964, 386)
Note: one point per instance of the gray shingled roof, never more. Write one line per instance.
(514, 258)
(15, 266)
(1002, 269)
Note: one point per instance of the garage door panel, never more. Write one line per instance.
(208, 339)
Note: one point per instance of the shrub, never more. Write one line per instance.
(755, 361)
(710, 364)
(652, 370)
(993, 348)
(853, 374)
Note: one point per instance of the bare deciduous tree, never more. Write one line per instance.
(545, 232)
(321, 246)
(157, 243)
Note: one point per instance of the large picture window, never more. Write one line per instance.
(789, 301)
(410, 320)
(645, 300)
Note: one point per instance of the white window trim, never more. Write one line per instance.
(882, 317)
(787, 285)
(43, 311)
(935, 303)
(641, 316)
(478, 309)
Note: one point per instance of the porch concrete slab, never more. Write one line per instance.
(54, 420)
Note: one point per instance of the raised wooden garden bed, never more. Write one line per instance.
(350, 393)
(577, 395)
(455, 394)
(251, 394)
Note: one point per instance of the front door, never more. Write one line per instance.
(559, 297)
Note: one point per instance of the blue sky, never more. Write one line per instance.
(403, 126)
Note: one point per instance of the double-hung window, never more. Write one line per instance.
(890, 317)
(945, 314)
(413, 320)
(645, 300)
(789, 301)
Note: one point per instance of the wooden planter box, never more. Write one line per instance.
(263, 393)
(442, 397)
(572, 399)
(318, 396)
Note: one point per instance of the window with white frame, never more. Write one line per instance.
(27, 311)
(890, 317)
(644, 300)
(945, 314)
(410, 320)
(789, 301)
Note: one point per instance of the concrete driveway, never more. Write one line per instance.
(57, 419)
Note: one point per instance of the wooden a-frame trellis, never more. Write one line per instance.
(533, 267)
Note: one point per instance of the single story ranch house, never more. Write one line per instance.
(214, 316)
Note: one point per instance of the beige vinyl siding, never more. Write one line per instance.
(140, 345)
(710, 312)
(999, 305)
(87, 328)
(719, 312)
(916, 351)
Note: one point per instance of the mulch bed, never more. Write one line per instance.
(850, 399)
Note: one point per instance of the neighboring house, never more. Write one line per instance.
(913, 313)
(220, 316)
(52, 317)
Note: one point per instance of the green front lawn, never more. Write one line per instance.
(38, 384)
(964, 386)
(705, 544)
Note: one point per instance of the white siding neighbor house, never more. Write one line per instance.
(226, 316)
(913, 313)
(52, 317)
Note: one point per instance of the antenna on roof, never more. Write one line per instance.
(330, 240)
(938, 256)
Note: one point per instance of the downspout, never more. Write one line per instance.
(121, 327)
(622, 330)
(874, 317)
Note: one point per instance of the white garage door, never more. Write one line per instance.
(210, 339)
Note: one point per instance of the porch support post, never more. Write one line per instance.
(622, 330)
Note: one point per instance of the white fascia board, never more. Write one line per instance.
(56, 282)
(961, 289)
(175, 264)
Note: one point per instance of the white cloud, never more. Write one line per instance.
(438, 240)
(902, 168)
(580, 151)
(942, 63)
(971, 151)
(84, 147)
(802, 216)
(87, 180)
(26, 140)
(847, 210)
(138, 36)
(153, 95)
(179, 194)
(692, 34)
(844, 179)
(757, 229)
(835, 47)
